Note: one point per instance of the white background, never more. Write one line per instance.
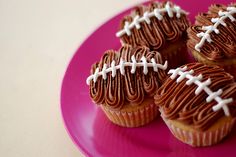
(37, 41)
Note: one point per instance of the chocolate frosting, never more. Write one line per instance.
(128, 88)
(178, 101)
(156, 34)
(223, 45)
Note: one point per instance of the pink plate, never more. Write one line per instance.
(94, 134)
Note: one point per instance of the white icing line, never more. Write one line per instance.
(202, 86)
(147, 15)
(124, 64)
(205, 36)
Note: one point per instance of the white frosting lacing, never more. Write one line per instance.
(205, 36)
(146, 18)
(122, 66)
(202, 86)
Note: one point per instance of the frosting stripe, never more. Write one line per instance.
(146, 18)
(202, 86)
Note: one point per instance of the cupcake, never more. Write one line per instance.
(161, 26)
(123, 84)
(212, 40)
(197, 103)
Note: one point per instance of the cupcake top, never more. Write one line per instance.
(214, 33)
(126, 77)
(198, 95)
(153, 25)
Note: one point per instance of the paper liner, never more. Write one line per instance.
(228, 67)
(135, 118)
(199, 139)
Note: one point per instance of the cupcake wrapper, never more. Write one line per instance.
(199, 139)
(141, 116)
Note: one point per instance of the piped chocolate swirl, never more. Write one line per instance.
(158, 31)
(180, 99)
(126, 77)
(214, 34)
(161, 26)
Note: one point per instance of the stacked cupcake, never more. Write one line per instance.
(159, 26)
(212, 39)
(196, 103)
(149, 72)
(124, 83)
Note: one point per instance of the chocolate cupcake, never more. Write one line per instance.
(212, 40)
(124, 82)
(197, 102)
(161, 26)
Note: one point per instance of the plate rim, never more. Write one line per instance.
(77, 51)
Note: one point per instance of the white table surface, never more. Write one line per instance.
(37, 41)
